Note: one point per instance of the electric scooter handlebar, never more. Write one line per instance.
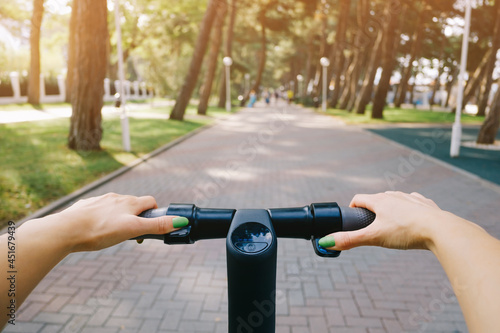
(308, 222)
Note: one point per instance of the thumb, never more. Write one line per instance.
(344, 240)
(161, 224)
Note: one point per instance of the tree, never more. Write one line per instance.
(262, 55)
(489, 128)
(391, 39)
(213, 58)
(414, 51)
(34, 72)
(88, 74)
(371, 70)
(353, 72)
(476, 78)
(228, 51)
(340, 41)
(71, 52)
(490, 65)
(194, 69)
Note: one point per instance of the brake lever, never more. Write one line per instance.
(321, 251)
(353, 218)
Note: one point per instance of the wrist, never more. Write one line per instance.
(55, 230)
(446, 227)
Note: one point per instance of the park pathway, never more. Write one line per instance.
(266, 157)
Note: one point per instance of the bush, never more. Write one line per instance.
(51, 86)
(23, 82)
(309, 101)
(5, 86)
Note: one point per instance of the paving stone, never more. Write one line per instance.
(52, 318)
(51, 328)
(153, 287)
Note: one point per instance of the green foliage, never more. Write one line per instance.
(397, 115)
(37, 167)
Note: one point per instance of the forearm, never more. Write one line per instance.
(88, 225)
(470, 258)
(39, 246)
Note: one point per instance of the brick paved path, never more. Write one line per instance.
(282, 157)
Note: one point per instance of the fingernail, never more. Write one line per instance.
(327, 241)
(139, 241)
(180, 222)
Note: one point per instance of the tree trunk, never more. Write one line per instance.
(309, 65)
(323, 46)
(365, 93)
(490, 66)
(348, 78)
(414, 51)
(340, 43)
(489, 128)
(88, 89)
(476, 78)
(194, 68)
(213, 57)
(412, 93)
(353, 72)
(388, 61)
(228, 52)
(452, 77)
(262, 62)
(34, 73)
(71, 52)
(437, 83)
(483, 101)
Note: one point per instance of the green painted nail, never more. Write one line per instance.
(327, 241)
(180, 222)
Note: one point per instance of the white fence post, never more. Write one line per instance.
(16, 88)
(107, 89)
(136, 89)
(127, 88)
(117, 86)
(42, 87)
(62, 87)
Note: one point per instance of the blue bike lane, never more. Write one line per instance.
(435, 141)
(279, 156)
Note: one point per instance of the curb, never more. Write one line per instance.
(484, 182)
(87, 188)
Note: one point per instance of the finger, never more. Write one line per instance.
(365, 201)
(418, 195)
(424, 199)
(159, 225)
(345, 240)
(140, 204)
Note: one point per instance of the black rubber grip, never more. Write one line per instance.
(356, 218)
(150, 213)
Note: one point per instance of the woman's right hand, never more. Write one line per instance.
(403, 221)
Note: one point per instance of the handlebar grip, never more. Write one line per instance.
(151, 213)
(352, 219)
(356, 218)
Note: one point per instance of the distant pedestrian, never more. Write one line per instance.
(267, 96)
(253, 98)
(289, 95)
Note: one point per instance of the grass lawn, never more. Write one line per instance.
(27, 106)
(213, 111)
(396, 115)
(37, 167)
